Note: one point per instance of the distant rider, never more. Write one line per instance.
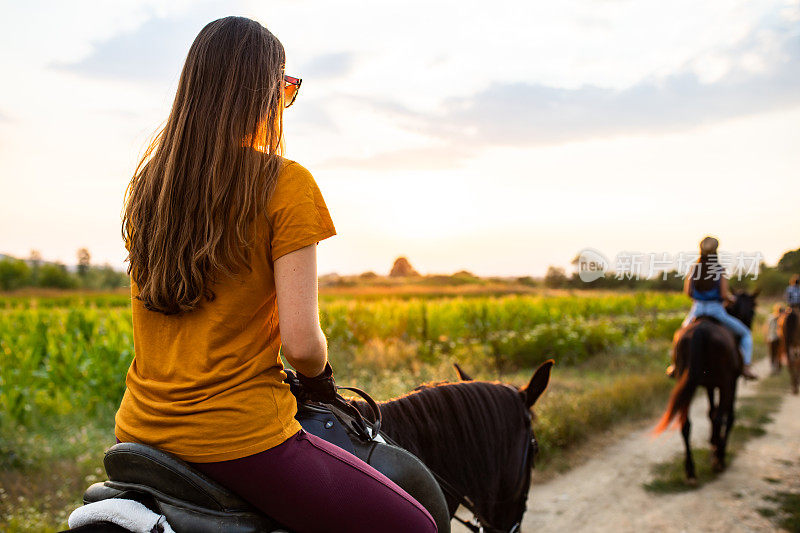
(792, 293)
(708, 287)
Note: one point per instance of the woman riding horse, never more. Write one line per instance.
(792, 293)
(221, 232)
(708, 287)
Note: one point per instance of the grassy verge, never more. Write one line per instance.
(752, 414)
(786, 510)
(45, 467)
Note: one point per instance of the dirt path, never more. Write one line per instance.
(606, 493)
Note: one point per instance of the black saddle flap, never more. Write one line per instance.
(136, 463)
(322, 423)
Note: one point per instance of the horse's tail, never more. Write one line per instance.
(684, 390)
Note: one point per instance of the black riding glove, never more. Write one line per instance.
(321, 388)
(294, 386)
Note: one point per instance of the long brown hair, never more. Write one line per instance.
(709, 266)
(207, 174)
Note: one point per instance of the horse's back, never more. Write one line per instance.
(716, 345)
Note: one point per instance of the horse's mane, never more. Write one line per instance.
(450, 425)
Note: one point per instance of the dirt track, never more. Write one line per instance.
(606, 493)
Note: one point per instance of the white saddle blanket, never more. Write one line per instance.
(129, 514)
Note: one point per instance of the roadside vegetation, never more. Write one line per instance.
(63, 359)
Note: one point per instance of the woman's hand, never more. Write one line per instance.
(321, 388)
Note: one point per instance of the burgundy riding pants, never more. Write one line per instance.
(309, 484)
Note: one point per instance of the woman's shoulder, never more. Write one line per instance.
(293, 175)
(293, 183)
(291, 169)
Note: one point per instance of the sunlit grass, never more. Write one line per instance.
(786, 510)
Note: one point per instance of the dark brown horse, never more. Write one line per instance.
(477, 437)
(707, 355)
(789, 334)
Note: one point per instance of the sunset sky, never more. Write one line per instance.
(494, 137)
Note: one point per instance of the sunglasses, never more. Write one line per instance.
(291, 86)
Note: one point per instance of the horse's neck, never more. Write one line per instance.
(735, 310)
(412, 434)
(448, 442)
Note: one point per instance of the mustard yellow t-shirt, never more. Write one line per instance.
(207, 385)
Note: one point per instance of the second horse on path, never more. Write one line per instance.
(706, 355)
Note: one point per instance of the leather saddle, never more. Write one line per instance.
(192, 502)
(167, 485)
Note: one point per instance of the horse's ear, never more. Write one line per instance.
(463, 376)
(756, 293)
(538, 383)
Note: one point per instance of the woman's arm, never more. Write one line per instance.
(687, 284)
(302, 339)
(724, 290)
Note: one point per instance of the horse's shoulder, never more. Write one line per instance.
(713, 328)
(691, 328)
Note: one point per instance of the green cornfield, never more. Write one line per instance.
(70, 354)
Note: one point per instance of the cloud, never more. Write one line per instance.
(328, 66)
(156, 50)
(761, 73)
(153, 52)
(530, 114)
(311, 116)
(430, 158)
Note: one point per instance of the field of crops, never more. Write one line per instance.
(63, 361)
(71, 355)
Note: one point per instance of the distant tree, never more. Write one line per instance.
(368, 275)
(771, 281)
(109, 278)
(790, 262)
(35, 261)
(555, 278)
(35, 258)
(14, 273)
(402, 269)
(84, 260)
(55, 275)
